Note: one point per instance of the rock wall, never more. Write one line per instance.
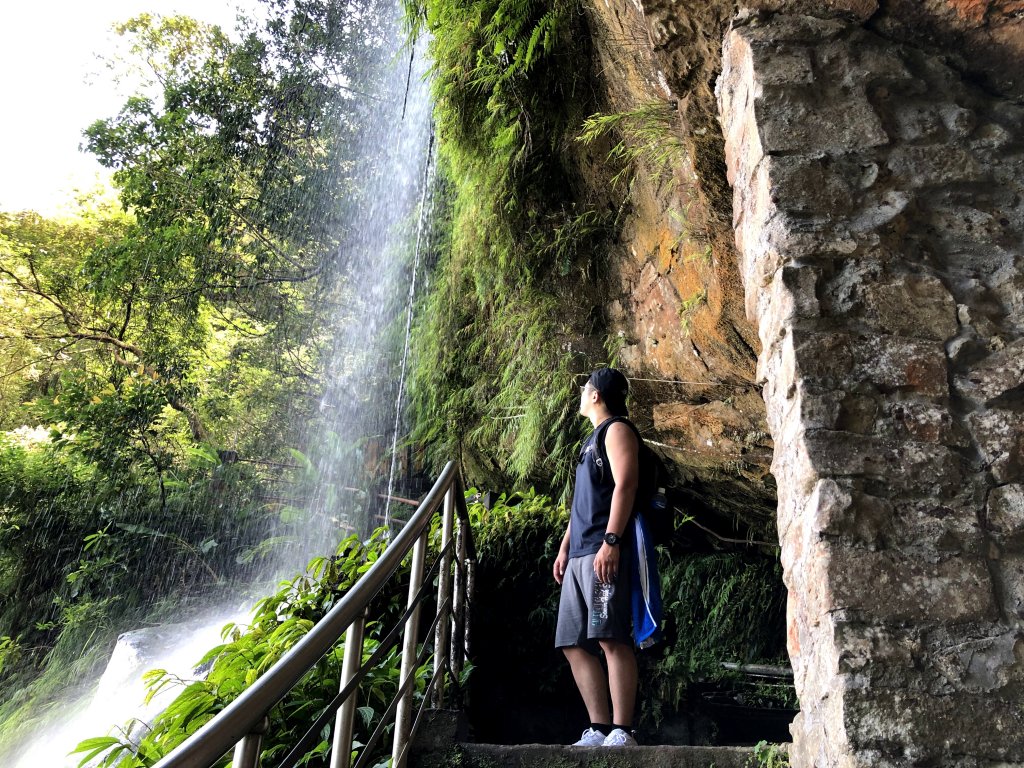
(879, 215)
(672, 300)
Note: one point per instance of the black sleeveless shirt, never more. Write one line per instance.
(592, 497)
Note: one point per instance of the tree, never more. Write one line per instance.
(235, 185)
(188, 318)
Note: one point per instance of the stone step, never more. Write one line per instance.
(557, 756)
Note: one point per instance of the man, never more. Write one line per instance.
(594, 565)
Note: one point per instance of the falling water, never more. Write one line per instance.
(119, 699)
(420, 228)
(360, 411)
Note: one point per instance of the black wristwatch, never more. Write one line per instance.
(611, 539)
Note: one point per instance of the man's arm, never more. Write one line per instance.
(623, 452)
(562, 560)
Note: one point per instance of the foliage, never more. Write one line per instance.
(647, 137)
(206, 293)
(84, 556)
(719, 606)
(689, 306)
(10, 651)
(143, 342)
(525, 529)
(769, 756)
(278, 622)
(495, 363)
(516, 670)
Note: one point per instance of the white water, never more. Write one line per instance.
(360, 425)
(410, 305)
(119, 696)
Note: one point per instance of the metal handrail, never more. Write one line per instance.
(242, 722)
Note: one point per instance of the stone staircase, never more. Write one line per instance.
(439, 744)
(554, 756)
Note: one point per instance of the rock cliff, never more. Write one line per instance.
(826, 292)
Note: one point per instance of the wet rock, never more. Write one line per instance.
(1005, 510)
(904, 584)
(136, 651)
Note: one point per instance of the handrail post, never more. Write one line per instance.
(341, 748)
(444, 592)
(247, 751)
(238, 725)
(403, 714)
(459, 601)
(467, 626)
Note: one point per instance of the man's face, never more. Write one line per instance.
(588, 395)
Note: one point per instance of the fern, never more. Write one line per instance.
(279, 621)
(648, 137)
(724, 607)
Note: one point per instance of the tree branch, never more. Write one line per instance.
(70, 319)
(194, 422)
(127, 312)
(256, 232)
(102, 338)
(30, 363)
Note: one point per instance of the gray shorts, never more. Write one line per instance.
(580, 621)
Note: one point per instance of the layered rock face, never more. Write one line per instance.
(850, 211)
(879, 221)
(673, 301)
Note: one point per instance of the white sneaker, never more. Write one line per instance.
(591, 738)
(619, 738)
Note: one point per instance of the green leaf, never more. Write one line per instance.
(95, 746)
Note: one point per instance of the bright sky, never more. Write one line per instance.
(52, 87)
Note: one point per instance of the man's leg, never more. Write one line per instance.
(622, 680)
(592, 683)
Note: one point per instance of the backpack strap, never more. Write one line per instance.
(602, 454)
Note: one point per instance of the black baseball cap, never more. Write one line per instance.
(613, 388)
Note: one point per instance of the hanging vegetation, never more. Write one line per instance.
(494, 378)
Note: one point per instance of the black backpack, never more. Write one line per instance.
(654, 475)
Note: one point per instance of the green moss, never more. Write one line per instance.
(493, 382)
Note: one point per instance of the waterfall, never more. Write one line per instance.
(403, 371)
(360, 412)
(363, 399)
(119, 698)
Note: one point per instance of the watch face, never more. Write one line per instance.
(611, 539)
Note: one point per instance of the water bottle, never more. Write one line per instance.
(659, 501)
(601, 597)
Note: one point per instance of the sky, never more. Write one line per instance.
(52, 86)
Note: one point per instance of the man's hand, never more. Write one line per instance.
(606, 564)
(561, 563)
